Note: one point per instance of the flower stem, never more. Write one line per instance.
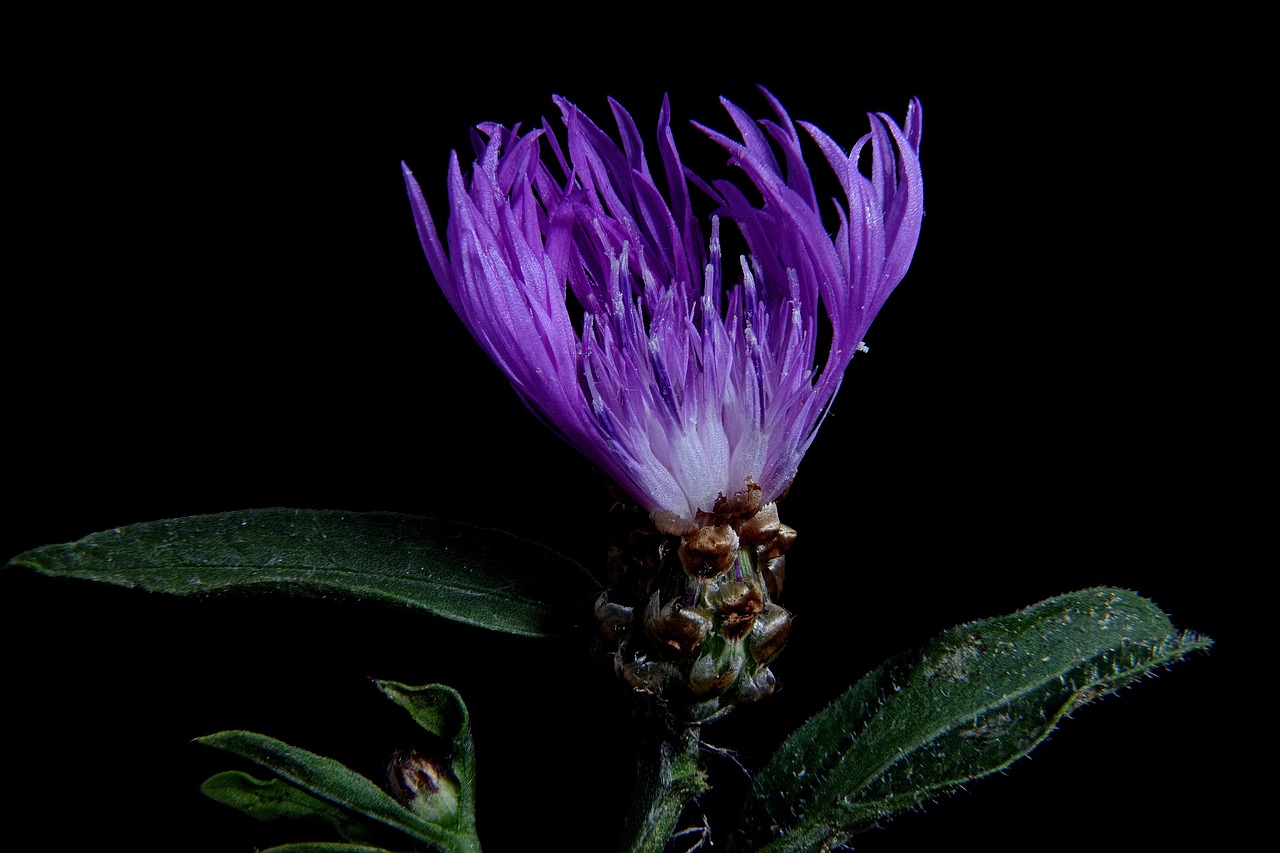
(668, 777)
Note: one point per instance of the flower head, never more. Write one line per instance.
(684, 383)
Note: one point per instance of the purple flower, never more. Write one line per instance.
(682, 382)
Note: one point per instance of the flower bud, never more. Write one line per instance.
(426, 786)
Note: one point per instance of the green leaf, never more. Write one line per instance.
(483, 577)
(270, 799)
(338, 784)
(325, 847)
(970, 703)
(440, 710)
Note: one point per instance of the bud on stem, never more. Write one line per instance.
(425, 785)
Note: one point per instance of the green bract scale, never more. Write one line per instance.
(691, 618)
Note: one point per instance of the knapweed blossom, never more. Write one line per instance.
(682, 387)
(696, 396)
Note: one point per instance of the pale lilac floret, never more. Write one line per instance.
(684, 382)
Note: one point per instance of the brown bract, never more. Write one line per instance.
(690, 619)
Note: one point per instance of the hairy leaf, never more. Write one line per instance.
(970, 703)
(479, 576)
(333, 781)
(325, 847)
(274, 798)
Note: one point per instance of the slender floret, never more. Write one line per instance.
(685, 382)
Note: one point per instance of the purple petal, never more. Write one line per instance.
(679, 385)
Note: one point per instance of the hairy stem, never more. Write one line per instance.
(668, 777)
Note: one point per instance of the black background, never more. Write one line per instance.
(219, 302)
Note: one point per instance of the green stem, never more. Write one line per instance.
(668, 777)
